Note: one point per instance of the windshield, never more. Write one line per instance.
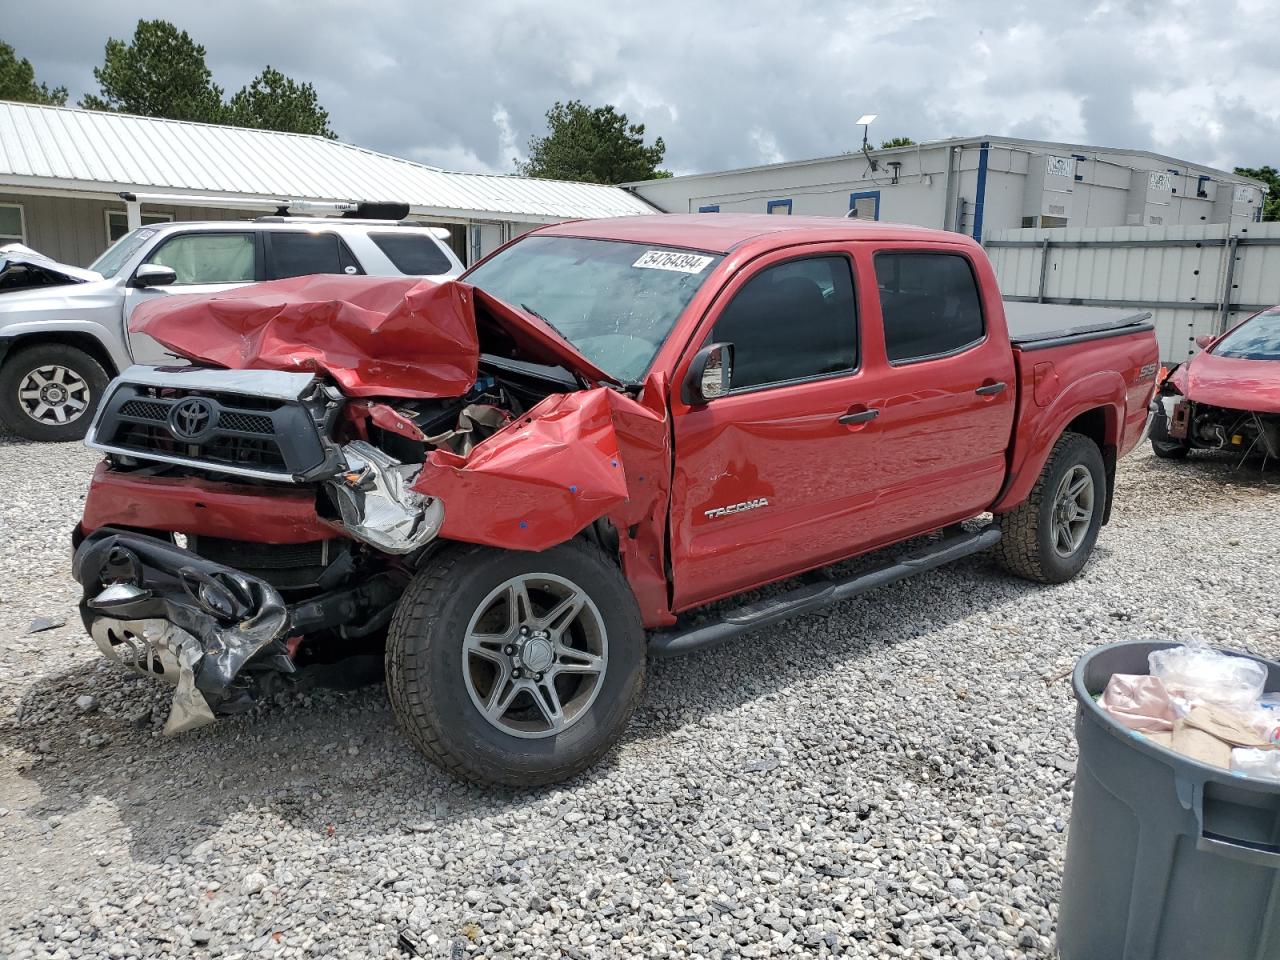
(121, 252)
(1255, 339)
(615, 302)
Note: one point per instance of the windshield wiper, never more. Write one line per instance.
(560, 333)
(528, 309)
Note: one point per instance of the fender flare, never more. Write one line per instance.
(1105, 391)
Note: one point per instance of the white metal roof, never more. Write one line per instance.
(994, 141)
(95, 152)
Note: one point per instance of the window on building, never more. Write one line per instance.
(412, 253)
(792, 321)
(12, 227)
(710, 208)
(929, 303)
(300, 254)
(865, 205)
(118, 223)
(779, 207)
(208, 257)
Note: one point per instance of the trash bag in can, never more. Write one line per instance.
(1167, 858)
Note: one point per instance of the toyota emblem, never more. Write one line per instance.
(191, 419)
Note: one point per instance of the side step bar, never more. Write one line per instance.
(677, 640)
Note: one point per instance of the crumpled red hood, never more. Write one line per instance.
(376, 336)
(1230, 382)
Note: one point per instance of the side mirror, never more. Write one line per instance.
(1204, 340)
(153, 275)
(710, 374)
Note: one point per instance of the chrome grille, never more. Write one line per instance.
(264, 435)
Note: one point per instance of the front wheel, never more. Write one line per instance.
(516, 668)
(1169, 449)
(48, 392)
(1164, 446)
(1050, 536)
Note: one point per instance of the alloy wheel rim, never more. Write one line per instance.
(53, 395)
(1073, 510)
(534, 655)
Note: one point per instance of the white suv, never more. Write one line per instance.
(64, 331)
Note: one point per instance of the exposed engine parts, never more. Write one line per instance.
(1206, 427)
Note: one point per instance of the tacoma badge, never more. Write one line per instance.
(717, 512)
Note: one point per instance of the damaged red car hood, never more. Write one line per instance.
(1230, 382)
(376, 336)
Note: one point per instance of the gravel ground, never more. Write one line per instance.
(891, 779)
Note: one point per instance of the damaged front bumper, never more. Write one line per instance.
(221, 637)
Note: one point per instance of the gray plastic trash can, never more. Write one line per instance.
(1167, 858)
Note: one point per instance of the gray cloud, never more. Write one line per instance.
(728, 84)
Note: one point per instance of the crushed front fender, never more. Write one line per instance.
(538, 481)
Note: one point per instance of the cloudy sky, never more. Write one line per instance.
(729, 83)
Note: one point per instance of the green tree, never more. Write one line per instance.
(595, 145)
(161, 73)
(18, 81)
(897, 142)
(276, 102)
(1271, 177)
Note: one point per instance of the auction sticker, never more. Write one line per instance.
(670, 260)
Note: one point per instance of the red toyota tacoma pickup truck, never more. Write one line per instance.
(516, 485)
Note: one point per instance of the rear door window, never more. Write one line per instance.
(792, 321)
(208, 257)
(300, 254)
(930, 305)
(414, 254)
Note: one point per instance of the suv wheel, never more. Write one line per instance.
(516, 668)
(49, 392)
(1050, 536)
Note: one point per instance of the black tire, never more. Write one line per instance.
(1164, 446)
(75, 367)
(425, 662)
(1169, 449)
(1027, 547)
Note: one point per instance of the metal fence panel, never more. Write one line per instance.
(1194, 279)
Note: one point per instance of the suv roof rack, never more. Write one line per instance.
(285, 218)
(349, 209)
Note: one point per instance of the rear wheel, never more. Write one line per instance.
(1050, 536)
(516, 668)
(49, 392)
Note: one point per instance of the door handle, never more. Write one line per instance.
(990, 389)
(861, 416)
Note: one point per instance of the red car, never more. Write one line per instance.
(527, 480)
(1227, 397)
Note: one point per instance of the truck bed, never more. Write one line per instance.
(1036, 326)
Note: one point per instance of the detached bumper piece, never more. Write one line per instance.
(161, 611)
(220, 636)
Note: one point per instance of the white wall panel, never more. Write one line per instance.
(1177, 272)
